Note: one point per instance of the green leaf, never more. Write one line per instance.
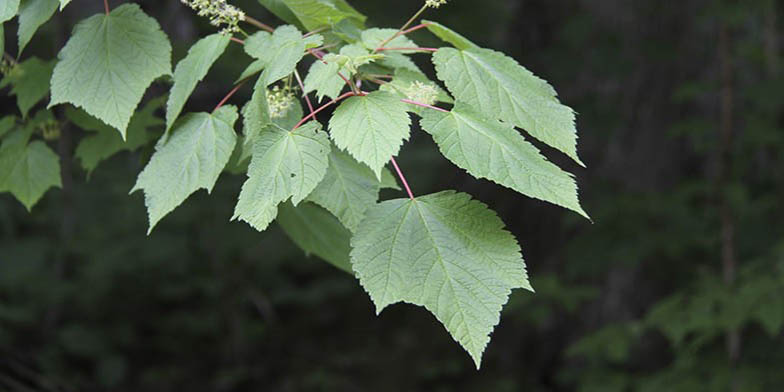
(27, 170)
(449, 35)
(388, 180)
(285, 164)
(371, 128)
(445, 252)
(190, 159)
(488, 148)
(63, 3)
(8, 9)
(30, 80)
(313, 13)
(279, 52)
(109, 62)
(192, 69)
(324, 79)
(499, 87)
(7, 123)
(105, 142)
(372, 39)
(348, 189)
(317, 232)
(33, 14)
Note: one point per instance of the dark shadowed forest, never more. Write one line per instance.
(677, 284)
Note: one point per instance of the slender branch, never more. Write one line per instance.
(424, 105)
(226, 98)
(237, 40)
(324, 106)
(316, 31)
(106, 6)
(400, 31)
(254, 22)
(415, 28)
(302, 87)
(402, 178)
(411, 49)
(380, 76)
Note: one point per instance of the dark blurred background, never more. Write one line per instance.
(678, 285)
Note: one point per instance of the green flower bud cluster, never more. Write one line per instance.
(219, 12)
(422, 92)
(280, 100)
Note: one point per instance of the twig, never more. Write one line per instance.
(226, 98)
(106, 6)
(302, 87)
(324, 106)
(413, 49)
(258, 24)
(402, 178)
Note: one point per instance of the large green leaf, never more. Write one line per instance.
(348, 189)
(488, 148)
(30, 81)
(191, 158)
(109, 62)
(445, 252)
(285, 164)
(191, 70)
(500, 88)
(317, 232)
(371, 128)
(105, 142)
(32, 14)
(27, 170)
(8, 9)
(279, 52)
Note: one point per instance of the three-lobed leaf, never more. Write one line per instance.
(445, 252)
(285, 165)
(323, 78)
(30, 81)
(371, 128)
(191, 158)
(27, 170)
(109, 62)
(278, 53)
(488, 148)
(501, 88)
(192, 69)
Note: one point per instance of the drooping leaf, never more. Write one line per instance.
(279, 52)
(323, 78)
(317, 232)
(312, 14)
(449, 35)
(27, 171)
(192, 69)
(33, 14)
(445, 252)
(348, 189)
(500, 88)
(371, 128)
(488, 148)
(30, 81)
(190, 159)
(285, 165)
(8, 9)
(372, 39)
(109, 62)
(105, 142)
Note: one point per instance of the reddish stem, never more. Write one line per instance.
(402, 178)
(424, 105)
(415, 28)
(106, 6)
(316, 31)
(411, 49)
(237, 40)
(258, 24)
(226, 98)
(324, 106)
